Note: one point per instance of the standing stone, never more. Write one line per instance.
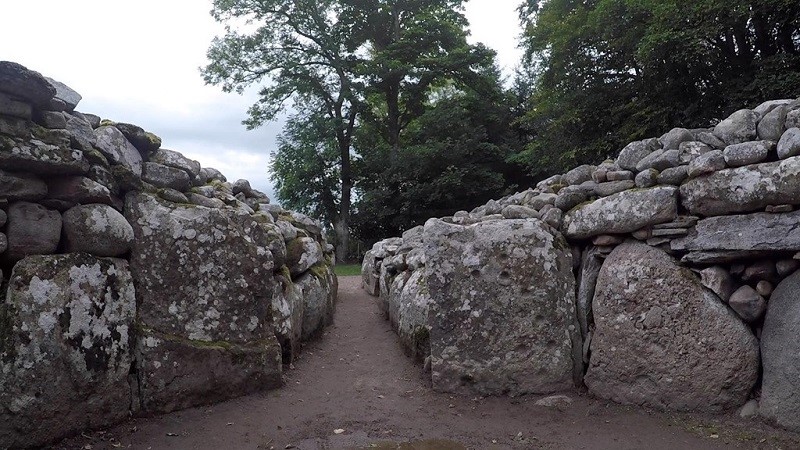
(412, 326)
(738, 127)
(32, 230)
(502, 312)
(97, 229)
(622, 213)
(319, 300)
(662, 340)
(780, 351)
(64, 352)
(205, 299)
(112, 143)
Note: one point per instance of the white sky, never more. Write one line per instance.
(137, 62)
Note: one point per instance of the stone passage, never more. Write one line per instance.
(666, 277)
(135, 281)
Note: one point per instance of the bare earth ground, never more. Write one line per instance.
(355, 388)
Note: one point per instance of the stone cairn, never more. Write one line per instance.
(135, 281)
(666, 278)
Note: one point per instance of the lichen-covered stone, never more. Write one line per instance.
(163, 176)
(17, 80)
(751, 232)
(97, 229)
(502, 311)
(66, 327)
(664, 341)
(288, 306)
(145, 142)
(743, 189)
(174, 159)
(634, 152)
(78, 190)
(412, 320)
(738, 127)
(746, 153)
(40, 157)
(21, 186)
(622, 213)
(319, 300)
(301, 254)
(65, 93)
(112, 143)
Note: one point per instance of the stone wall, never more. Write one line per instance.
(134, 281)
(667, 277)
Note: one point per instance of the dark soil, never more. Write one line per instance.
(355, 388)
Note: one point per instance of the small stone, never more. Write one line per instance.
(657, 241)
(619, 175)
(779, 209)
(689, 151)
(32, 230)
(659, 160)
(673, 138)
(712, 141)
(647, 178)
(789, 144)
(643, 234)
(554, 401)
(613, 187)
(707, 163)
(600, 175)
(519, 212)
(679, 222)
(553, 217)
(750, 409)
(634, 152)
(772, 125)
(747, 303)
(578, 175)
(673, 175)
(764, 288)
(669, 232)
(786, 267)
(570, 198)
(172, 195)
(747, 153)
(792, 119)
(52, 120)
(719, 281)
(607, 239)
(761, 270)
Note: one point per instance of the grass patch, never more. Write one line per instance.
(346, 270)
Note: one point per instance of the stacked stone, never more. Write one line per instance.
(137, 280)
(685, 253)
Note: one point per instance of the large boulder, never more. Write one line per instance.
(413, 308)
(49, 153)
(32, 230)
(97, 229)
(318, 286)
(622, 212)
(502, 307)
(67, 324)
(780, 352)
(205, 290)
(743, 189)
(662, 340)
(302, 254)
(28, 85)
(738, 127)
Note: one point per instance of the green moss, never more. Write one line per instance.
(294, 250)
(60, 138)
(107, 123)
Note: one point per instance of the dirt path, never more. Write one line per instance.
(357, 379)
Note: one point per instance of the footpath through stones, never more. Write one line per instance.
(355, 388)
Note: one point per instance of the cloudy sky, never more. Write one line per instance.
(137, 62)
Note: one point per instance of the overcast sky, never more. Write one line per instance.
(137, 62)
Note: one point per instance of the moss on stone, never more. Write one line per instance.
(7, 348)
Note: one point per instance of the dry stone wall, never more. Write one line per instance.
(135, 281)
(668, 276)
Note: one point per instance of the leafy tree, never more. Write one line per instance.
(612, 71)
(299, 53)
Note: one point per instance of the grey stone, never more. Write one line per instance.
(578, 175)
(750, 409)
(634, 152)
(9, 106)
(647, 178)
(40, 157)
(642, 297)
(779, 208)
(78, 190)
(3, 218)
(651, 160)
(163, 176)
(370, 268)
(760, 270)
(3, 246)
(607, 239)
(174, 159)
(689, 151)
(619, 175)
(65, 93)
(786, 267)
(673, 175)
(622, 213)
(553, 217)
(720, 257)
(242, 186)
(780, 355)
(112, 143)
(209, 174)
(770, 105)
(706, 163)
(792, 119)
(68, 319)
(772, 125)
(719, 281)
(742, 189)
(21, 186)
(764, 288)
(202, 200)
(490, 297)
(28, 85)
(711, 140)
(554, 401)
(97, 229)
(302, 254)
(287, 316)
(32, 230)
(94, 120)
(673, 138)
(569, 198)
(757, 231)
(789, 144)
(747, 153)
(319, 300)
(413, 309)
(81, 132)
(747, 303)
(613, 187)
(144, 141)
(738, 127)
(668, 232)
(519, 212)
(51, 119)
(591, 262)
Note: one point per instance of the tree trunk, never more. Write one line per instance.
(342, 224)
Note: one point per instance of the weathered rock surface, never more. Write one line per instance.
(319, 292)
(743, 189)
(65, 93)
(65, 351)
(97, 229)
(748, 304)
(302, 254)
(21, 186)
(502, 314)
(78, 190)
(757, 231)
(780, 352)
(163, 176)
(32, 230)
(174, 159)
(738, 127)
(638, 357)
(112, 143)
(40, 156)
(31, 86)
(789, 144)
(622, 213)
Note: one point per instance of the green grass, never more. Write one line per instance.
(346, 270)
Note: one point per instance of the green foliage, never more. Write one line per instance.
(347, 270)
(612, 71)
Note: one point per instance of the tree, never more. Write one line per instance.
(612, 71)
(301, 54)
